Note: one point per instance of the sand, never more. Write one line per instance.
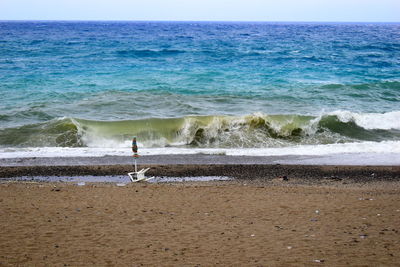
(236, 223)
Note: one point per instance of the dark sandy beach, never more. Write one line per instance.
(318, 215)
(246, 168)
(207, 224)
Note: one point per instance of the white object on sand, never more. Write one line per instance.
(138, 176)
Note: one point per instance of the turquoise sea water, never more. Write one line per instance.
(198, 85)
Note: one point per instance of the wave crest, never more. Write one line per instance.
(249, 131)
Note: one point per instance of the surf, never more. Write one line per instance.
(257, 130)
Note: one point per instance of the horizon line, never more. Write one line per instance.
(243, 21)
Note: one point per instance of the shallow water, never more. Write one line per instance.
(120, 180)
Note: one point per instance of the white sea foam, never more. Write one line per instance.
(384, 121)
(385, 147)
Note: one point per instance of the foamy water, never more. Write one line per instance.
(385, 147)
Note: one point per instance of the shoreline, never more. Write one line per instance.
(242, 168)
(345, 159)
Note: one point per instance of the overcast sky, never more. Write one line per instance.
(209, 10)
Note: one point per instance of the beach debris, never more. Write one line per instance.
(319, 260)
(121, 184)
(137, 176)
(252, 235)
(317, 212)
(56, 189)
(81, 184)
(363, 236)
(360, 198)
(378, 214)
(314, 220)
(289, 247)
(283, 178)
(335, 178)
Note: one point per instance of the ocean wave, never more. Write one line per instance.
(30, 113)
(394, 85)
(148, 52)
(57, 132)
(370, 121)
(256, 130)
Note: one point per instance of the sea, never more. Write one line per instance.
(76, 88)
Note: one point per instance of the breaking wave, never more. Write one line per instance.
(249, 131)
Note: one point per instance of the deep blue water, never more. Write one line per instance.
(126, 71)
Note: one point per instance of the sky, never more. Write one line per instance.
(203, 10)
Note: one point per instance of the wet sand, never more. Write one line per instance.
(304, 174)
(270, 215)
(239, 167)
